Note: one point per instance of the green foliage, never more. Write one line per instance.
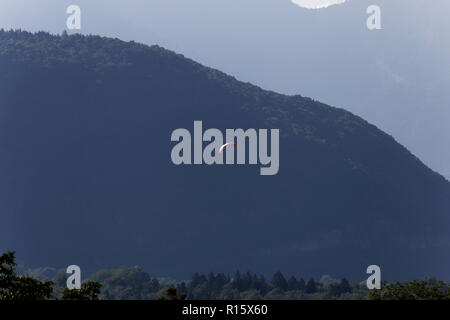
(279, 282)
(27, 288)
(337, 289)
(311, 286)
(247, 286)
(171, 294)
(134, 283)
(413, 290)
(127, 284)
(229, 293)
(15, 287)
(88, 291)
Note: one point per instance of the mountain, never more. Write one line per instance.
(86, 175)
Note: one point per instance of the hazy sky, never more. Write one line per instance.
(397, 78)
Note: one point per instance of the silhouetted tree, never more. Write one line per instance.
(292, 283)
(171, 294)
(311, 286)
(301, 285)
(344, 286)
(279, 281)
(154, 284)
(15, 287)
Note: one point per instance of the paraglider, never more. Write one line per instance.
(252, 145)
(226, 145)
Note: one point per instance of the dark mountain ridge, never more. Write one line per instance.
(86, 176)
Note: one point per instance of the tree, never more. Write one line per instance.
(292, 283)
(171, 294)
(88, 291)
(413, 290)
(154, 285)
(251, 295)
(126, 283)
(311, 286)
(15, 287)
(301, 285)
(279, 281)
(344, 286)
(182, 288)
(229, 293)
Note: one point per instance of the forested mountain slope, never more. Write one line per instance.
(86, 176)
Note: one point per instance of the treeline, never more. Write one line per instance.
(135, 284)
(249, 286)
